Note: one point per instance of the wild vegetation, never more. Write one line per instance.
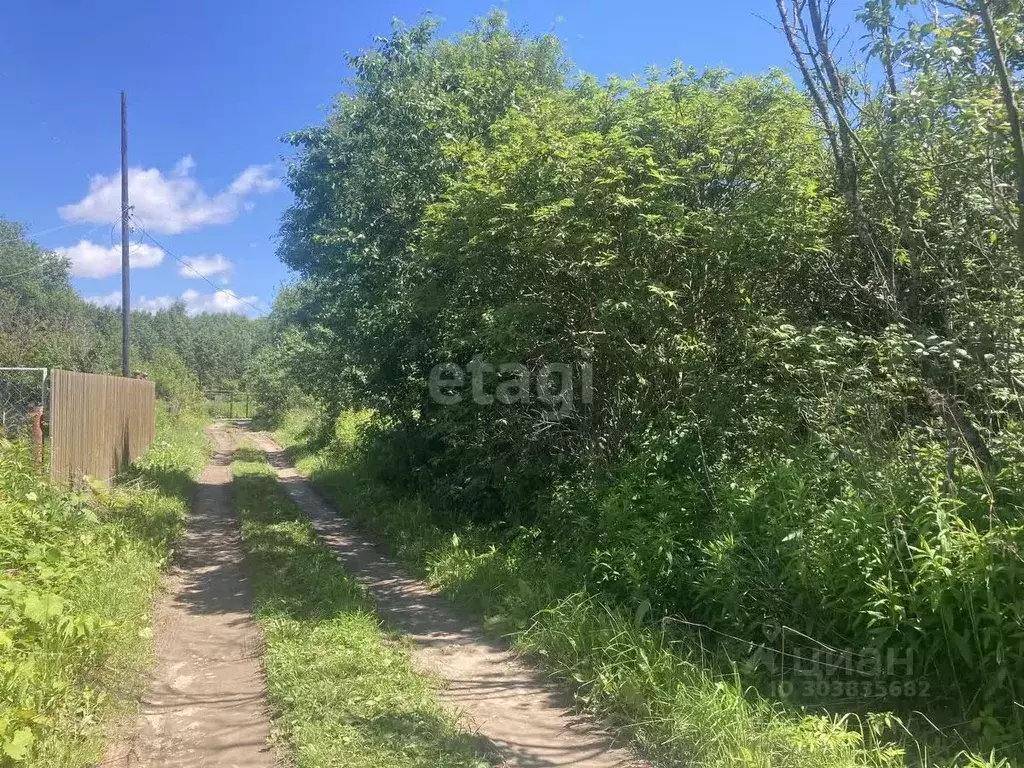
(795, 488)
(78, 572)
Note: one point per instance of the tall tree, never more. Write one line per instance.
(363, 181)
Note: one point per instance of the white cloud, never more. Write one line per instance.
(218, 302)
(255, 178)
(154, 303)
(111, 300)
(184, 166)
(204, 266)
(169, 204)
(89, 259)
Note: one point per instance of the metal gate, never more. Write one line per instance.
(228, 404)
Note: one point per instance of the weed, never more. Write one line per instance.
(79, 571)
(572, 595)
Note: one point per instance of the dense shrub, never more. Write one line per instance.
(802, 323)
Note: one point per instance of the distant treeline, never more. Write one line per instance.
(44, 322)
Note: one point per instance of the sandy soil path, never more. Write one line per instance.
(526, 720)
(205, 702)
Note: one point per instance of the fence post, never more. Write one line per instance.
(37, 437)
(23, 406)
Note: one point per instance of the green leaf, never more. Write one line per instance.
(18, 745)
(41, 607)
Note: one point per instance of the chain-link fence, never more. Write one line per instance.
(22, 397)
(23, 403)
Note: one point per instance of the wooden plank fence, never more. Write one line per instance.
(98, 424)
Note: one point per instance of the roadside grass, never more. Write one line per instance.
(294, 427)
(341, 686)
(657, 686)
(79, 572)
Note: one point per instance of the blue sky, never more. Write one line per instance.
(212, 86)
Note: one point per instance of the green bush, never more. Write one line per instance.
(175, 384)
(79, 571)
(802, 322)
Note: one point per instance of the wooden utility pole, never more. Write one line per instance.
(125, 283)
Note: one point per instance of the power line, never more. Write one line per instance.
(188, 266)
(26, 235)
(36, 268)
(41, 264)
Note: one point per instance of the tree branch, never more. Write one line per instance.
(1006, 86)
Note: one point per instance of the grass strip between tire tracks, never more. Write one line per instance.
(341, 686)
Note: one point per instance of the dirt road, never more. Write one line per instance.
(527, 721)
(205, 702)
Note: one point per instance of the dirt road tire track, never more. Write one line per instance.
(526, 720)
(205, 701)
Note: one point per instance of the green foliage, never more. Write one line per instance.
(79, 573)
(363, 181)
(216, 349)
(683, 714)
(662, 671)
(175, 383)
(42, 320)
(655, 686)
(803, 321)
(274, 373)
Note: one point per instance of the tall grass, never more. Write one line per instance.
(594, 603)
(79, 571)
